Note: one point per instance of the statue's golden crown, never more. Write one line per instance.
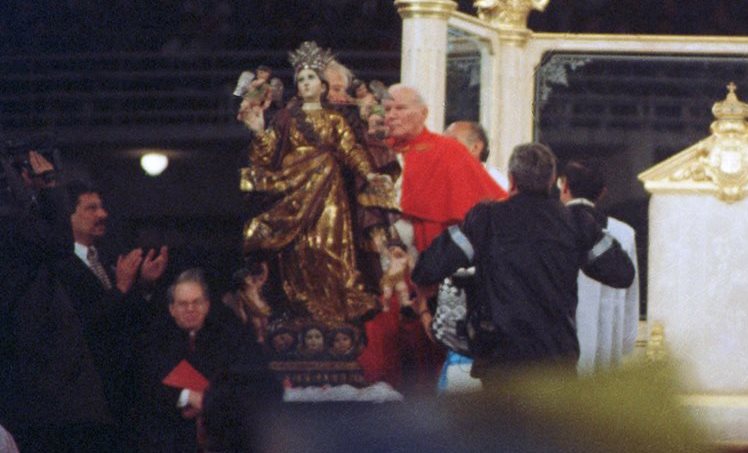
(310, 56)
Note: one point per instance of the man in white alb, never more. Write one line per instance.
(607, 318)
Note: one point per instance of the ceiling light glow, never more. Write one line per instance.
(154, 163)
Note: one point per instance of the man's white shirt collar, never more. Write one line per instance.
(81, 251)
(583, 201)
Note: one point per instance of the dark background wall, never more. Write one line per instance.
(63, 26)
(110, 79)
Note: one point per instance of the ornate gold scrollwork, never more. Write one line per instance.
(717, 165)
(727, 162)
(508, 14)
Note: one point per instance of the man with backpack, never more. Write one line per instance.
(527, 251)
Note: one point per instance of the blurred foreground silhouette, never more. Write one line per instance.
(630, 410)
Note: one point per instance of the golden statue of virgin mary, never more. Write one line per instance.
(300, 161)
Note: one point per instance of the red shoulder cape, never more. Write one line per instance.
(441, 180)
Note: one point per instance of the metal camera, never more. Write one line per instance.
(14, 157)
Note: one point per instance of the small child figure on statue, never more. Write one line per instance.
(246, 298)
(260, 87)
(365, 99)
(397, 265)
(256, 92)
(375, 123)
(376, 91)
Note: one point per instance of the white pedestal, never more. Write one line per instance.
(698, 291)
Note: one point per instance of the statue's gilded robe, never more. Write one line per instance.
(310, 225)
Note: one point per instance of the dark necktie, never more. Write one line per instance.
(192, 340)
(97, 268)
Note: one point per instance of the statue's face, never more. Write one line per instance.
(314, 341)
(361, 91)
(341, 343)
(309, 85)
(263, 75)
(282, 342)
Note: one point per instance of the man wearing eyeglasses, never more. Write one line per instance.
(211, 340)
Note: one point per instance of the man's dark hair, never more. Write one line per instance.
(77, 188)
(194, 275)
(533, 167)
(584, 180)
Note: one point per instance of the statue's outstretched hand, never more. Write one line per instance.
(254, 118)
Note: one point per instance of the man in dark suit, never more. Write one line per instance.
(212, 341)
(52, 394)
(89, 223)
(112, 306)
(527, 251)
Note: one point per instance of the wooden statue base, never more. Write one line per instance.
(319, 373)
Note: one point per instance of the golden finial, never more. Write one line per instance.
(731, 109)
(717, 164)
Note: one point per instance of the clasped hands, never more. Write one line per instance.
(151, 267)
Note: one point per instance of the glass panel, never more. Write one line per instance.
(463, 77)
(625, 113)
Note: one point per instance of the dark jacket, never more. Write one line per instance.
(47, 372)
(222, 344)
(111, 323)
(527, 251)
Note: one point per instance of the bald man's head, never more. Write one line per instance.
(405, 112)
(472, 135)
(338, 78)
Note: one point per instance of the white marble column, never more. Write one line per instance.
(514, 74)
(513, 100)
(424, 52)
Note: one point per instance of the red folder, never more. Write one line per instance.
(184, 376)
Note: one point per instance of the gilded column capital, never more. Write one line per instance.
(508, 15)
(717, 165)
(439, 9)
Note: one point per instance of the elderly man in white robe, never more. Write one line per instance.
(607, 318)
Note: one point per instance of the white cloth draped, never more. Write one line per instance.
(608, 318)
